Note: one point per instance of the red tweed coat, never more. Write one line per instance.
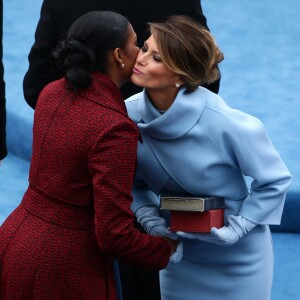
(75, 215)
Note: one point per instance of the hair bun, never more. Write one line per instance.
(75, 61)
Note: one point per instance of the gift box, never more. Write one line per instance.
(195, 221)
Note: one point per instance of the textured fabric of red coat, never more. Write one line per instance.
(75, 215)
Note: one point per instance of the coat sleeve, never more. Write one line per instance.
(250, 149)
(40, 71)
(142, 194)
(112, 166)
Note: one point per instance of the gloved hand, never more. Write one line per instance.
(177, 255)
(153, 223)
(228, 235)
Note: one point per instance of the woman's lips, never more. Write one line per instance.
(136, 71)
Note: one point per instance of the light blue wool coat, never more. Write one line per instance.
(203, 147)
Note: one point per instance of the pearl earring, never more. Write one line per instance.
(177, 85)
(122, 66)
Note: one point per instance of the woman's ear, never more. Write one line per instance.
(117, 54)
(180, 81)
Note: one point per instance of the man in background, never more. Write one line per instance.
(3, 148)
(57, 16)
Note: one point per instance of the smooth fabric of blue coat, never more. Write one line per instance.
(203, 147)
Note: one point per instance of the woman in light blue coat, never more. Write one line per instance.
(193, 142)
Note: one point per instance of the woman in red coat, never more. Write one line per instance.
(75, 216)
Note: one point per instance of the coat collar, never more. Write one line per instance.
(104, 91)
(183, 114)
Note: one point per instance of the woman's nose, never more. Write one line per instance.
(140, 59)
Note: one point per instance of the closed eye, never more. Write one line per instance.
(155, 56)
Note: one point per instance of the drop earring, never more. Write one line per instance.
(177, 85)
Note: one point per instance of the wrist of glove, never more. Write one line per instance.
(177, 255)
(236, 229)
(152, 222)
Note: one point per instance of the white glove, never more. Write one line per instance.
(177, 255)
(228, 235)
(153, 223)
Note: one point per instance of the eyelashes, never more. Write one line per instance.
(155, 57)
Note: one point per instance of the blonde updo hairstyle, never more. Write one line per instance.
(187, 49)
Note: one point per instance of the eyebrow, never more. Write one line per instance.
(156, 52)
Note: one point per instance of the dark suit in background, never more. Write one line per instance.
(56, 17)
(3, 149)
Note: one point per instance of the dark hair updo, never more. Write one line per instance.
(88, 42)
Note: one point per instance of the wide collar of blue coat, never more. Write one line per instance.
(182, 115)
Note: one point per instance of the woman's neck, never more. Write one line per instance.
(162, 100)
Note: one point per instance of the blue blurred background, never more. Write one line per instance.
(260, 75)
